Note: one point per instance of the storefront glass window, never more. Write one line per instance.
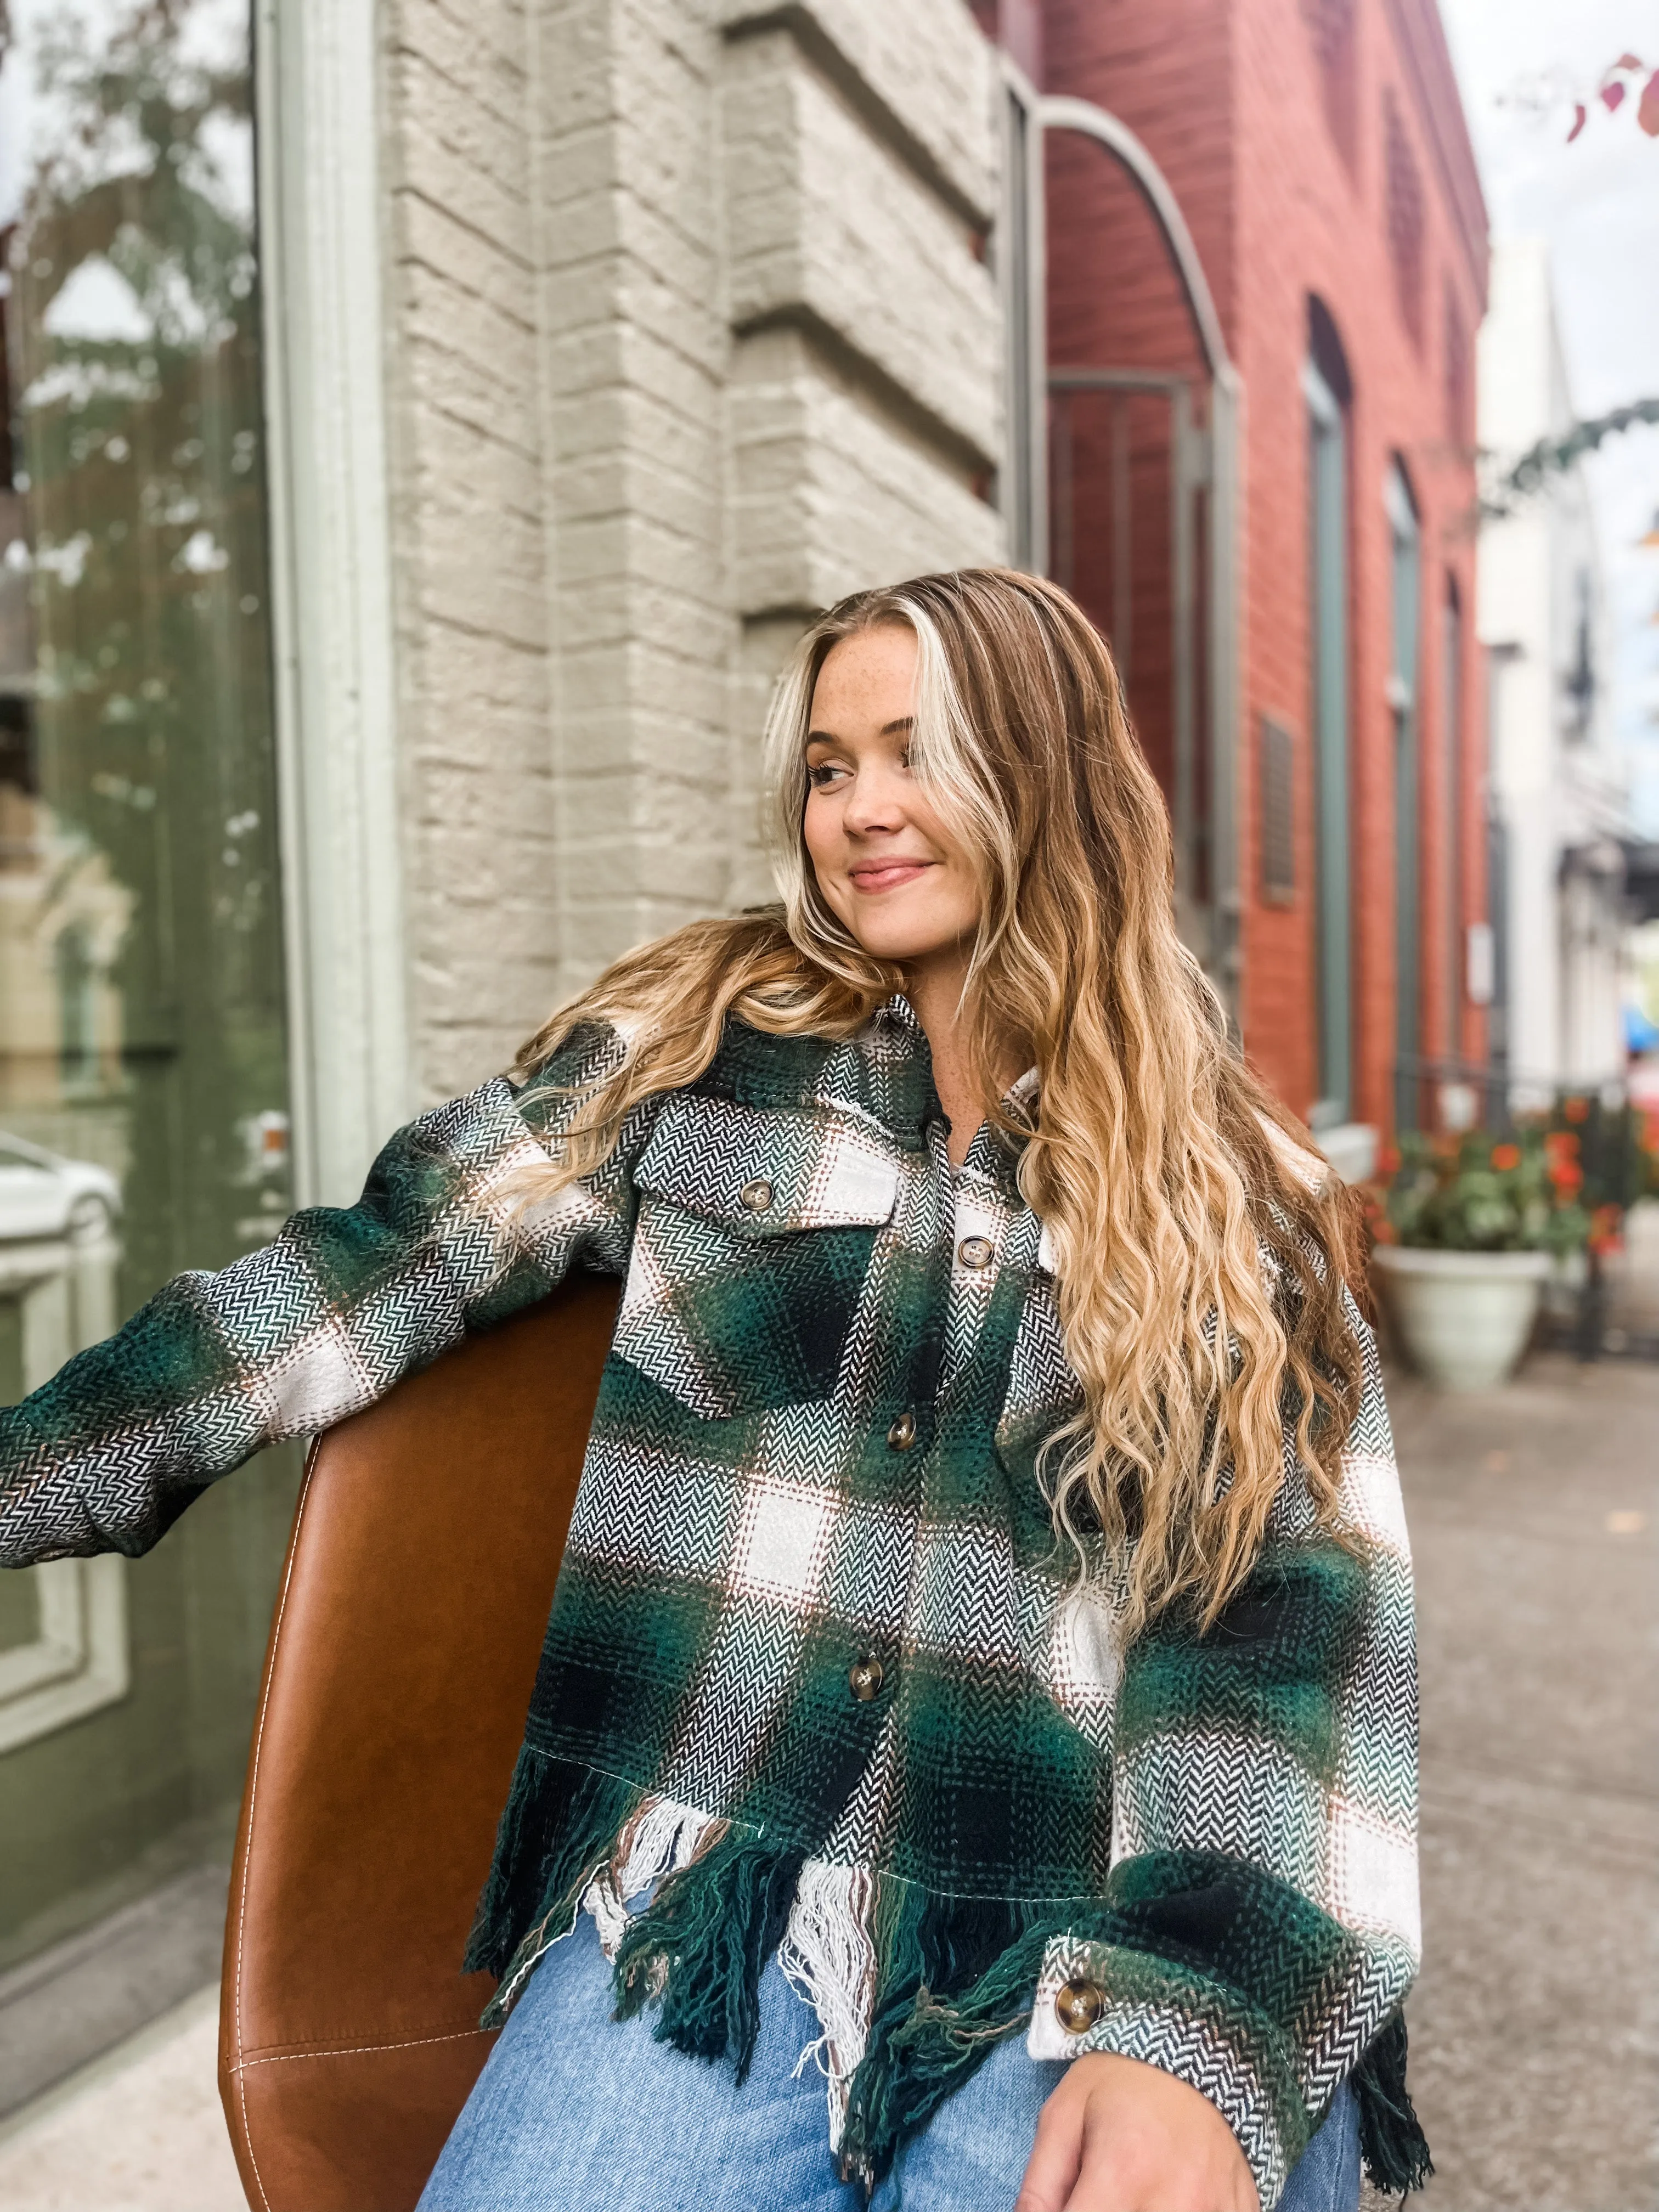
(143, 1086)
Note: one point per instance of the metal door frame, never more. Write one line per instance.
(1189, 475)
(1330, 681)
(1404, 687)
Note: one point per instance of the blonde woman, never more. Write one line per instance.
(980, 1678)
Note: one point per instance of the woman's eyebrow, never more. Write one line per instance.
(902, 727)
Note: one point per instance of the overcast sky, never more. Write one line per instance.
(1597, 202)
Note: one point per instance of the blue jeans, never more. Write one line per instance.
(576, 2112)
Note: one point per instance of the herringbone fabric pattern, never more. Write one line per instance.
(817, 1672)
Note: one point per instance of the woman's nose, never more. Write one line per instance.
(874, 802)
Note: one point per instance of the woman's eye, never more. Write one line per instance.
(821, 776)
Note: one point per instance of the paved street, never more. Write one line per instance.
(1535, 2031)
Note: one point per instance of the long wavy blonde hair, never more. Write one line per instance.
(1163, 1169)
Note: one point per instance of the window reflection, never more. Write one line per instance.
(142, 1091)
(141, 1028)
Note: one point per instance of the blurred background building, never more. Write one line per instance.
(1557, 792)
(412, 477)
(1323, 449)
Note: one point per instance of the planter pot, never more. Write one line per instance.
(1464, 1317)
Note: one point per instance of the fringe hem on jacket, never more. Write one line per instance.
(912, 1991)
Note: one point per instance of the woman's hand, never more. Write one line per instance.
(1120, 2136)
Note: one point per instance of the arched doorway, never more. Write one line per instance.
(1123, 465)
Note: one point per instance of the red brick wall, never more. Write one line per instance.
(1231, 98)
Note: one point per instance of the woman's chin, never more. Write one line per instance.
(906, 948)
(888, 932)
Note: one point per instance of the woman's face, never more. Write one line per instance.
(883, 860)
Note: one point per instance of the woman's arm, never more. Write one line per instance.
(315, 1325)
(1264, 1883)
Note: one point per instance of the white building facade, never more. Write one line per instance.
(1556, 798)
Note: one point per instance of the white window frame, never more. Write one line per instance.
(80, 1658)
(317, 76)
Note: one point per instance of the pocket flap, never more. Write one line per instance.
(764, 1172)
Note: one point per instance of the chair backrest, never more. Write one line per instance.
(425, 1547)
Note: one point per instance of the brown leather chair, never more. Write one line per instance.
(419, 1573)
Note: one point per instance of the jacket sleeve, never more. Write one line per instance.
(1265, 1928)
(317, 1324)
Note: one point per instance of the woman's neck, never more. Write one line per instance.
(935, 988)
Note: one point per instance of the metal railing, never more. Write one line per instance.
(1446, 1097)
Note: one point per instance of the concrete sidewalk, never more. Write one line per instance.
(1535, 2030)
(139, 2130)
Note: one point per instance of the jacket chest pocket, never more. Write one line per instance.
(755, 1236)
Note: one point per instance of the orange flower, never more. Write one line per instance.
(1567, 1175)
(1504, 1156)
(1387, 1160)
(1576, 1110)
(1606, 1230)
(1560, 1144)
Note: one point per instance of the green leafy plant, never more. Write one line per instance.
(1605, 1157)
(1554, 455)
(1647, 1144)
(1518, 1191)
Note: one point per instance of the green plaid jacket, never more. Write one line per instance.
(816, 1678)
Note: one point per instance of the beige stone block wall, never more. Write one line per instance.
(632, 302)
(469, 535)
(692, 331)
(865, 401)
(828, 228)
(920, 72)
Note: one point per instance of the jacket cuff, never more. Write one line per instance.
(1153, 2010)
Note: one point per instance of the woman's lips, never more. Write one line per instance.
(885, 875)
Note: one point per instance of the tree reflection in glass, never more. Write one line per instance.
(139, 934)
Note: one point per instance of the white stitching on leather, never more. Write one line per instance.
(359, 2050)
(239, 2067)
